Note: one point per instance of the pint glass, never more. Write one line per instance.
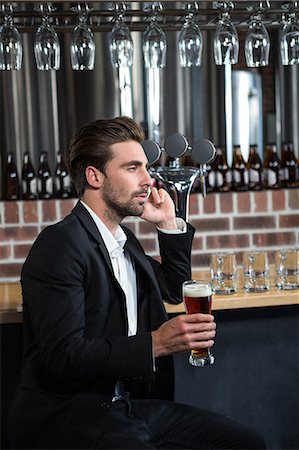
(198, 299)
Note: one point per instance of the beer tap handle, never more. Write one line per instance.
(176, 145)
(152, 151)
(202, 176)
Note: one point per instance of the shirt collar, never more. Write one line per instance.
(114, 243)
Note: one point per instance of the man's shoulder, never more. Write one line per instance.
(65, 230)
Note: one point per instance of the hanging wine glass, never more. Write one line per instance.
(121, 42)
(11, 49)
(226, 41)
(82, 44)
(289, 43)
(46, 42)
(154, 43)
(257, 44)
(190, 43)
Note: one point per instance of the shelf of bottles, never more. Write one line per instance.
(35, 184)
(253, 175)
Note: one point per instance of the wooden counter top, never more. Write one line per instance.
(11, 299)
(241, 299)
(10, 303)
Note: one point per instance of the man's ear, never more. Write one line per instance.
(94, 177)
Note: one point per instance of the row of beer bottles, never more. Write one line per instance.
(34, 185)
(272, 173)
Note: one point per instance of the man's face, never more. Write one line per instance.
(126, 180)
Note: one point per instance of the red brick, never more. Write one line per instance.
(278, 200)
(209, 204)
(200, 260)
(5, 251)
(131, 226)
(149, 245)
(197, 243)
(49, 211)
(210, 224)
(273, 239)
(228, 241)
(11, 212)
(289, 221)
(10, 270)
(193, 204)
(243, 202)
(249, 222)
(30, 211)
(22, 233)
(147, 228)
(293, 195)
(21, 250)
(66, 206)
(260, 203)
(226, 202)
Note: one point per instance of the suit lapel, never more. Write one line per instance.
(88, 223)
(150, 307)
(143, 262)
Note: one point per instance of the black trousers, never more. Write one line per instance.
(141, 424)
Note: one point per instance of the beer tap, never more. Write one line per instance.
(203, 152)
(176, 179)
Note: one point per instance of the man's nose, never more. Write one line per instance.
(147, 178)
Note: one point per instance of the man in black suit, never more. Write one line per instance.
(98, 370)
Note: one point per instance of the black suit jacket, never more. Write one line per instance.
(75, 331)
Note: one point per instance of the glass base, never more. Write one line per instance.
(201, 361)
(225, 291)
(287, 287)
(256, 288)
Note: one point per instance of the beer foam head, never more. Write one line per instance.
(197, 290)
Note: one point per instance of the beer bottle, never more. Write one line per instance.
(272, 165)
(288, 172)
(62, 178)
(255, 170)
(239, 171)
(28, 179)
(222, 172)
(11, 188)
(45, 181)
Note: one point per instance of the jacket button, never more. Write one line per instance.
(105, 405)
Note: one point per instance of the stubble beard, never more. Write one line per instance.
(117, 210)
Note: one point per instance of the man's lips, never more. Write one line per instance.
(143, 195)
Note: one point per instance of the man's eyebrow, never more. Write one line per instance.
(134, 162)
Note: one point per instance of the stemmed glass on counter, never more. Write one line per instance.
(46, 41)
(121, 42)
(11, 49)
(83, 43)
(190, 42)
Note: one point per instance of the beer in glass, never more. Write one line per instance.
(198, 299)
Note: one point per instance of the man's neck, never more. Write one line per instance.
(111, 220)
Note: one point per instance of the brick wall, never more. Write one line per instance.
(223, 222)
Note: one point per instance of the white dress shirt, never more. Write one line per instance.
(123, 265)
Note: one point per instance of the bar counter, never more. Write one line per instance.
(11, 300)
(256, 370)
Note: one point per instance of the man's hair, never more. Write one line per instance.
(91, 145)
